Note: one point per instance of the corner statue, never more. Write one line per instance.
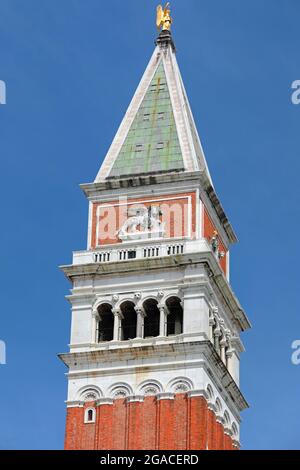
(164, 19)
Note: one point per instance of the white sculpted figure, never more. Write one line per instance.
(142, 222)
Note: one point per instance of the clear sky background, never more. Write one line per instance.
(71, 68)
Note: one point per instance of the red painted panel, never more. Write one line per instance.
(108, 217)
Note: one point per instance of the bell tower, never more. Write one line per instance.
(155, 339)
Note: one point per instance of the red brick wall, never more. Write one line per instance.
(103, 440)
(166, 425)
(181, 420)
(180, 424)
(149, 435)
(119, 424)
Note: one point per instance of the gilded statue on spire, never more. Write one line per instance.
(164, 20)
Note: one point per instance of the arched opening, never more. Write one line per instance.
(152, 318)
(210, 393)
(90, 415)
(227, 419)
(218, 406)
(105, 323)
(129, 321)
(175, 317)
(234, 431)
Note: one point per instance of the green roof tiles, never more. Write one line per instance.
(152, 143)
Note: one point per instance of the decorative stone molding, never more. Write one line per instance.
(221, 337)
(75, 404)
(104, 401)
(90, 393)
(220, 419)
(100, 301)
(236, 444)
(180, 385)
(235, 430)
(121, 390)
(151, 391)
(135, 399)
(227, 431)
(91, 396)
(150, 387)
(181, 388)
(165, 396)
(210, 393)
(120, 393)
(212, 407)
(198, 393)
(227, 421)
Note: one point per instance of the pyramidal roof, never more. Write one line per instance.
(158, 133)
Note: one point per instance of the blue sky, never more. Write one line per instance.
(71, 68)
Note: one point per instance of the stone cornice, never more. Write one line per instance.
(75, 404)
(198, 393)
(135, 398)
(211, 361)
(104, 401)
(92, 189)
(165, 396)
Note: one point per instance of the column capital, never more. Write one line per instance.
(117, 312)
(140, 311)
(218, 332)
(230, 352)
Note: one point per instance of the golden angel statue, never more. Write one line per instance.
(164, 19)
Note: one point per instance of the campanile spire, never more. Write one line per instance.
(156, 328)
